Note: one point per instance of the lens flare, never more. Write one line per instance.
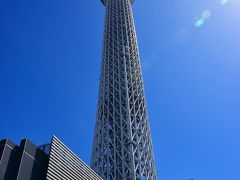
(199, 22)
(223, 2)
(206, 14)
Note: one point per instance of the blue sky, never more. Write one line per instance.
(50, 53)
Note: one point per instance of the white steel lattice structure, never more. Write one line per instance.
(122, 147)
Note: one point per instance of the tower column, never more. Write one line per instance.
(122, 147)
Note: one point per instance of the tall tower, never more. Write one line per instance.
(122, 147)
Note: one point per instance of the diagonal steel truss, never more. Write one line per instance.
(122, 147)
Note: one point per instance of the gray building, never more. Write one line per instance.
(64, 164)
(122, 146)
(22, 162)
(53, 161)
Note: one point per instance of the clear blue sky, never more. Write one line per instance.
(50, 53)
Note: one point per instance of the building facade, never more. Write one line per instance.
(122, 146)
(51, 161)
(24, 162)
(64, 164)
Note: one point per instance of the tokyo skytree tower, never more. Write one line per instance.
(122, 146)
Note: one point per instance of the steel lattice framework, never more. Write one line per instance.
(122, 147)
